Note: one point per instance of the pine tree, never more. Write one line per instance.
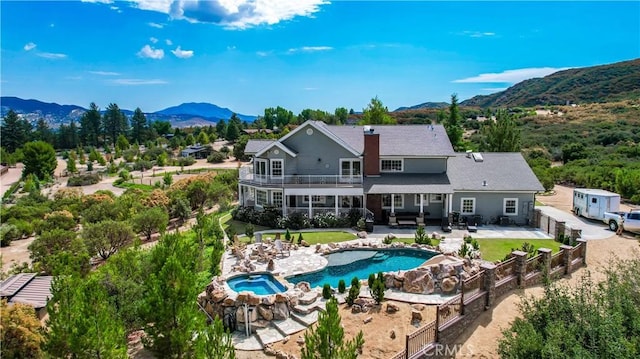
(13, 131)
(232, 132)
(452, 124)
(376, 114)
(221, 128)
(43, 132)
(90, 123)
(326, 340)
(502, 135)
(114, 122)
(139, 127)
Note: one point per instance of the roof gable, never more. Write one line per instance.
(278, 145)
(323, 128)
(255, 146)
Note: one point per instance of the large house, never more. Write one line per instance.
(387, 172)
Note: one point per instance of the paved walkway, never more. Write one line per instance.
(591, 229)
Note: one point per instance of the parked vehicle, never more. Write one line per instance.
(631, 220)
(593, 203)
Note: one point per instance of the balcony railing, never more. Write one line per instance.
(247, 176)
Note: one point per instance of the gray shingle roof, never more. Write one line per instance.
(501, 171)
(400, 140)
(408, 183)
(255, 146)
(28, 289)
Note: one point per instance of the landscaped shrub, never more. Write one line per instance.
(371, 279)
(269, 217)
(141, 165)
(354, 216)
(287, 235)
(295, 221)
(377, 290)
(422, 237)
(354, 293)
(326, 291)
(387, 239)
(300, 239)
(216, 157)
(355, 282)
(329, 220)
(185, 161)
(342, 286)
(8, 233)
(84, 180)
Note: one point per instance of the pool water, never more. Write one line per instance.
(360, 263)
(261, 284)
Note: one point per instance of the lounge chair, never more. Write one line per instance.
(282, 248)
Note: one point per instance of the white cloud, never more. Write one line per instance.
(105, 73)
(51, 55)
(30, 46)
(310, 49)
(512, 76)
(493, 89)
(151, 53)
(231, 48)
(263, 53)
(156, 25)
(233, 14)
(168, 42)
(310, 88)
(153, 40)
(183, 54)
(478, 33)
(138, 82)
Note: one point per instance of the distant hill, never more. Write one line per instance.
(605, 83)
(185, 115)
(423, 106)
(35, 106)
(202, 109)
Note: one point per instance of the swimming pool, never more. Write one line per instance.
(261, 284)
(362, 262)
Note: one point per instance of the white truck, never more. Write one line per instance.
(631, 220)
(593, 203)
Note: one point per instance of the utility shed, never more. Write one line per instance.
(27, 288)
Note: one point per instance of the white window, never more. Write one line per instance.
(260, 167)
(261, 198)
(398, 201)
(391, 165)
(276, 199)
(467, 206)
(314, 199)
(425, 200)
(350, 168)
(276, 168)
(436, 197)
(510, 207)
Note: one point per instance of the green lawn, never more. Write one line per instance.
(434, 242)
(494, 249)
(237, 226)
(143, 187)
(321, 237)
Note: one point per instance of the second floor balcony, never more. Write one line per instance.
(247, 176)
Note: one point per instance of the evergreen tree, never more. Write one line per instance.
(43, 132)
(170, 303)
(203, 138)
(81, 321)
(326, 340)
(233, 132)
(115, 122)
(502, 135)
(215, 343)
(139, 127)
(13, 132)
(90, 123)
(452, 124)
(39, 159)
(376, 114)
(221, 128)
(341, 115)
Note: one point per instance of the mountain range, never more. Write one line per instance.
(604, 83)
(184, 115)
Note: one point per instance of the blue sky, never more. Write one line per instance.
(249, 55)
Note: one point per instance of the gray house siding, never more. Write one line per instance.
(491, 205)
(425, 165)
(290, 163)
(317, 153)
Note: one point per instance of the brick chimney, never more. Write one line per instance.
(371, 152)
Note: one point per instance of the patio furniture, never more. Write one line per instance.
(282, 248)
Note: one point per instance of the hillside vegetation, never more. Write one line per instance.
(606, 83)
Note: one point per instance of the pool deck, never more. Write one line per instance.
(305, 259)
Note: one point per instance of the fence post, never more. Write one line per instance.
(560, 227)
(489, 283)
(546, 261)
(521, 266)
(406, 346)
(583, 243)
(536, 218)
(566, 258)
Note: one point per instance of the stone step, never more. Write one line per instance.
(242, 342)
(289, 326)
(304, 309)
(269, 335)
(308, 298)
(306, 319)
